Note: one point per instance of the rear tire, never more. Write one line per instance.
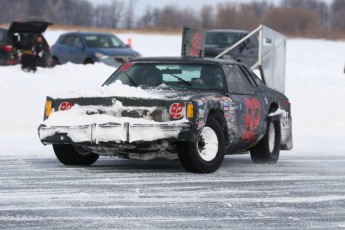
(68, 155)
(267, 151)
(206, 154)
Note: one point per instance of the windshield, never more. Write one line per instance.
(182, 76)
(223, 38)
(103, 41)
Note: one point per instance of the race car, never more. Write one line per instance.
(193, 109)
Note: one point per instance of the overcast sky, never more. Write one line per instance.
(192, 4)
(141, 5)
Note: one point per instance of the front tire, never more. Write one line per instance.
(68, 155)
(267, 151)
(88, 61)
(206, 154)
(55, 61)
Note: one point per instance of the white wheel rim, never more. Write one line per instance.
(207, 144)
(271, 137)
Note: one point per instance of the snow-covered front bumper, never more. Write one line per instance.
(125, 132)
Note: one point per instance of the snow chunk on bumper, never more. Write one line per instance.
(105, 128)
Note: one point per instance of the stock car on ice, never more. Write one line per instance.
(193, 109)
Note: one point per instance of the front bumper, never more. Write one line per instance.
(111, 132)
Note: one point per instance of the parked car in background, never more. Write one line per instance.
(24, 34)
(220, 39)
(91, 47)
(8, 55)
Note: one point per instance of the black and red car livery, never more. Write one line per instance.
(200, 110)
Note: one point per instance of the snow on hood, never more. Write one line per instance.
(80, 115)
(120, 90)
(115, 89)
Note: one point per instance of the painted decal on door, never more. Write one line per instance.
(252, 118)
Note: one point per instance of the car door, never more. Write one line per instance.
(78, 53)
(72, 50)
(248, 106)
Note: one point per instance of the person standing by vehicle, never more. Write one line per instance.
(27, 59)
(39, 50)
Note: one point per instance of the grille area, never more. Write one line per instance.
(155, 115)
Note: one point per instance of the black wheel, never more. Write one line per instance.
(267, 151)
(207, 153)
(88, 61)
(68, 155)
(55, 61)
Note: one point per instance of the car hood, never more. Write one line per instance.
(117, 51)
(151, 106)
(117, 90)
(29, 25)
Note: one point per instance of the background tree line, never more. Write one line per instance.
(310, 18)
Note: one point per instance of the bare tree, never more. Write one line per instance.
(226, 15)
(207, 17)
(65, 12)
(129, 14)
(319, 7)
(109, 15)
(115, 12)
(85, 9)
(168, 17)
(51, 7)
(246, 17)
(101, 16)
(338, 12)
(261, 8)
(293, 21)
(13, 9)
(147, 20)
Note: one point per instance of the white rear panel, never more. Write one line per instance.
(272, 58)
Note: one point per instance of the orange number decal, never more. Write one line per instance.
(175, 111)
(65, 106)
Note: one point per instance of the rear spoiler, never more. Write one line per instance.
(272, 56)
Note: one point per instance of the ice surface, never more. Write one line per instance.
(305, 190)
